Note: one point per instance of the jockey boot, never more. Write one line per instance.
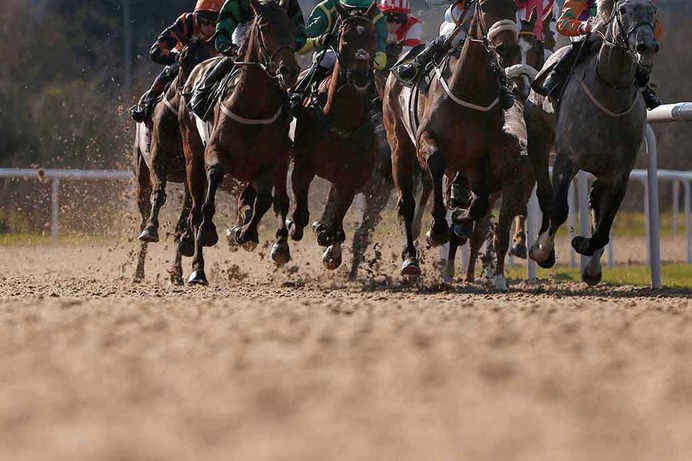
(505, 92)
(553, 84)
(409, 70)
(315, 75)
(142, 111)
(199, 102)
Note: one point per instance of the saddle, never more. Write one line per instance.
(219, 91)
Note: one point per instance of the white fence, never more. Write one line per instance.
(55, 176)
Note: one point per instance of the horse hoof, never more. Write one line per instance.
(198, 278)
(149, 234)
(518, 251)
(500, 284)
(324, 239)
(249, 246)
(410, 268)
(548, 262)
(233, 236)
(582, 245)
(177, 280)
(318, 227)
(186, 245)
(209, 236)
(281, 253)
(435, 240)
(592, 279)
(463, 231)
(331, 258)
(294, 231)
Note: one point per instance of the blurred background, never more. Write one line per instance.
(70, 69)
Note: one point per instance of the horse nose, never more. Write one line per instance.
(289, 73)
(651, 47)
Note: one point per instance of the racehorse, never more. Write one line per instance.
(337, 141)
(460, 127)
(162, 159)
(598, 127)
(249, 140)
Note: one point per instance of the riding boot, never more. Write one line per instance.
(651, 100)
(553, 84)
(315, 75)
(200, 96)
(142, 111)
(408, 71)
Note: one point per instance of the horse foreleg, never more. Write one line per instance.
(376, 198)
(479, 235)
(180, 228)
(206, 234)
(143, 194)
(301, 178)
(426, 190)
(436, 164)
(281, 253)
(331, 233)
(543, 251)
(519, 239)
(540, 142)
(158, 198)
(247, 235)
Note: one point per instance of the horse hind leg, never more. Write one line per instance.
(436, 164)
(518, 249)
(247, 236)
(376, 198)
(426, 190)
(281, 252)
(543, 251)
(206, 232)
(143, 194)
(301, 178)
(479, 235)
(158, 199)
(333, 235)
(181, 227)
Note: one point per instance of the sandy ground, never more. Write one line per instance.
(297, 364)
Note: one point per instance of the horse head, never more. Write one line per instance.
(549, 41)
(531, 47)
(631, 26)
(496, 21)
(356, 48)
(272, 42)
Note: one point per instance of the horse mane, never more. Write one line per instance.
(605, 9)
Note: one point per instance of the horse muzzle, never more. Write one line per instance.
(288, 75)
(359, 80)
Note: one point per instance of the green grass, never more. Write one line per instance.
(672, 275)
(22, 239)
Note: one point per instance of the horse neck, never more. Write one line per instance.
(253, 82)
(615, 65)
(472, 74)
(345, 104)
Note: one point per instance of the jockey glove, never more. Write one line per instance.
(380, 60)
(227, 48)
(324, 40)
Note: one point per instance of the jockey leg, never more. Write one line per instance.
(200, 97)
(321, 67)
(431, 52)
(141, 111)
(650, 98)
(505, 92)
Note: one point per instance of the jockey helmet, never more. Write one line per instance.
(209, 8)
(398, 7)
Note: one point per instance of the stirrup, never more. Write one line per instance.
(139, 112)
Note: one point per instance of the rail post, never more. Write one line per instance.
(653, 209)
(532, 227)
(688, 226)
(676, 206)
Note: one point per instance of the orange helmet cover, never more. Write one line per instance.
(212, 6)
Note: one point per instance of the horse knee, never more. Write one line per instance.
(215, 174)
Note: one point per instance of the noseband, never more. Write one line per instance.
(341, 27)
(266, 62)
(623, 37)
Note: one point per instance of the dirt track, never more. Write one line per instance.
(276, 365)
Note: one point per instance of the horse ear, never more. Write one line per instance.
(548, 15)
(256, 5)
(372, 10)
(533, 16)
(340, 10)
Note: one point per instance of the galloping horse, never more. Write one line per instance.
(338, 142)
(460, 128)
(250, 138)
(598, 127)
(163, 160)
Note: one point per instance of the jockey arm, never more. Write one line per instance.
(171, 39)
(233, 13)
(569, 24)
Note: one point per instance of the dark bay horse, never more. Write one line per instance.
(460, 127)
(598, 127)
(161, 159)
(249, 140)
(337, 141)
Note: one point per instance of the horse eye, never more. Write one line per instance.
(622, 10)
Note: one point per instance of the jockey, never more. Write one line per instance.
(439, 46)
(320, 31)
(404, 31)
(198, 24)
(234, 18)
(576, 22)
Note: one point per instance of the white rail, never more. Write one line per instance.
(649, 178)
(55, 176)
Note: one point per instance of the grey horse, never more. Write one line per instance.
(597, 127)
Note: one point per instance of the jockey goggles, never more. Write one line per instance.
(396, 18)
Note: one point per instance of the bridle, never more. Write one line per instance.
(340, 26)
(266, 59)
(623, 36)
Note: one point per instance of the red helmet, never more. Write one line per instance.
(208, 6)
(395, 6)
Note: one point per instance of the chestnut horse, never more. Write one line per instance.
(249, 140)
(162, 159)
(338, 142)
(460, 128)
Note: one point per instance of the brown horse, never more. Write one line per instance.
(460, 127)
(337, 141)
(249, 140)
(162, 159)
